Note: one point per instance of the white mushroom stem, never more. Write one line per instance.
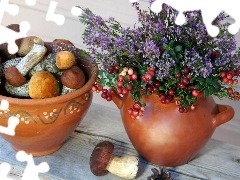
(125, 167)
(31, 59)
(20, 91)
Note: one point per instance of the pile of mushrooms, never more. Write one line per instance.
(102, 159)
(34, 72)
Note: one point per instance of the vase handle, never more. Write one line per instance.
(226, 113)
(117, 99)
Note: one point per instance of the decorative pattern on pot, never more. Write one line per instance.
(73, 106)
(23, 116)
(51, 117)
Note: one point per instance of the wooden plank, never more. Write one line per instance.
(217, 160)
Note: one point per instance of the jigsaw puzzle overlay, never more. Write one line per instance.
(210, 10)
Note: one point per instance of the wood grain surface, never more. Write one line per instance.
(217, 161)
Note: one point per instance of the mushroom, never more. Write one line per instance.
(43, 85)
(60, 41)
(20, 91)
(27, 44)
(101, 160)
(50, 64)
(10, 63)
(73, 77)
(65, 59)
(24, 66)
(67, 90)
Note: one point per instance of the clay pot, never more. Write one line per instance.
(45, 124)
(165, 137)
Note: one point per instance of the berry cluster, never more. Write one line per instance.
(136, 111)
(230, 78)
(124, 85)
(148, 75)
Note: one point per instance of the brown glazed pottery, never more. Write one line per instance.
(45, 124)
(165, 137)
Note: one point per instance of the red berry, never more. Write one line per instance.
(185, 80)
(120, 78)
(223, 74)
(157, 84)
(148, 76)
(94, 88)
(130, 111)
(125, 91)
(181, 110)
(119, 91)
(230, 91)
(193, 107)
(130, 87)
(225, 79)
(137, 106)
(171, 92)
(111, 91)
(134, 77)
(230, 81)
(186, 70)
(120, 84)
(235, 81)
(178, 75)
(104, 95)
(135, 112)
(161, 49)
(109, 98)
(104, 90)
(229, 76)
(195, 93)
(130, 71)
(144, 79)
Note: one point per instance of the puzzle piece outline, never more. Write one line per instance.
(31, 171)
(208, 13)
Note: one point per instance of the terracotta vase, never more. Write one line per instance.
(165, 137)
(45, 124)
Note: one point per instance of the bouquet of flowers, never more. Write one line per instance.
(158, 56)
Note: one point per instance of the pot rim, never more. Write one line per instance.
(60, 98)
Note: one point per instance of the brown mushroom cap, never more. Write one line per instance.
(43, 85)
(14, 77)
(100, 157)
(65, 59)
(65, 41)
(73, 77)
(27, 44)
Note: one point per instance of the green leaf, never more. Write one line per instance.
(162, 88)
(198, 86)
(165, 46)
(136, 96)
(206, 92)
(211, 90)
(178, 48)
(201, 80)
(172, 53)
(101, 73)
(102, 82)
(179, 56)
(110, 76)
(171, 43)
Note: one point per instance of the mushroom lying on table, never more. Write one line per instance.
(101, 160)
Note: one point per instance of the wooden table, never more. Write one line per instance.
(217, 160)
